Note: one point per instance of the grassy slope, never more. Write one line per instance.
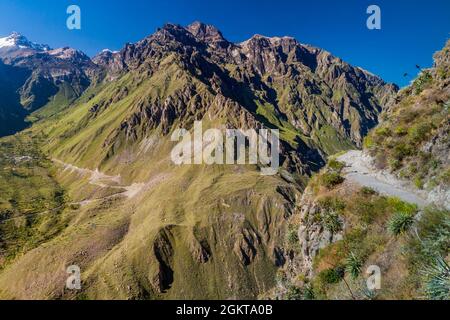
(230, 210)
(31, 200)
(421, 116)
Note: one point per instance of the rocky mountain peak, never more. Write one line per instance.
(67, 53)
(17, 40)
(261, 39)
(205, 32)
(169, 33)
(104, 56)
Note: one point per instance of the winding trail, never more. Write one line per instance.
(359, 169)
(102, 180)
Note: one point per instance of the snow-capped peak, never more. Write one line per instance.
(19, 41)
(107, 51)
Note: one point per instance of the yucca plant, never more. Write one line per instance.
(354, 265)
(401, 222)
(367, 293)
(447, 105)
(437, 280)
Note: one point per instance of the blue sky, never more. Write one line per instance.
(411, 30)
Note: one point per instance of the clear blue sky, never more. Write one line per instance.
(412, 30)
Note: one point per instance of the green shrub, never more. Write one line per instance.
(419, 132)
(292, 235)
(366, 191)
(434, 163)
(412, 169)
(308, 292)
(424, 251)
(331, 179)
(332, 276)
(435, 233)
(395, 164)
(422, 82)
(383, 131)
(332, 204)
(418, 182)
(445, 177)
(402, 150)
(354, 265)
(400, 222)
(368, 142)
(371, 208)
(447, 106)
(401, 131)
(281, 276)
(336, 165)
(305, 292)
(366, 211)
(332, 223)
(434, 236)
(294, 293)
(75, 206)
(328, 216)
(443, 74)
(399, 205)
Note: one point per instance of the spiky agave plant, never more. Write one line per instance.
(400, 222)
(437, 280)
(353, 265)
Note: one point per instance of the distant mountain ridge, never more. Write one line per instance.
(16, 41)
(39, 76)
(261, 56)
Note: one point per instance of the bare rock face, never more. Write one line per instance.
(442, 66)
(201, 251)
(207, 33)
(245, 247)
(112, 62)
(439, 145)
(163, 251)
(312, 234)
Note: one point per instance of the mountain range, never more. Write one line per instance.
(34, 76)
(88, 178)
(295, 87)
